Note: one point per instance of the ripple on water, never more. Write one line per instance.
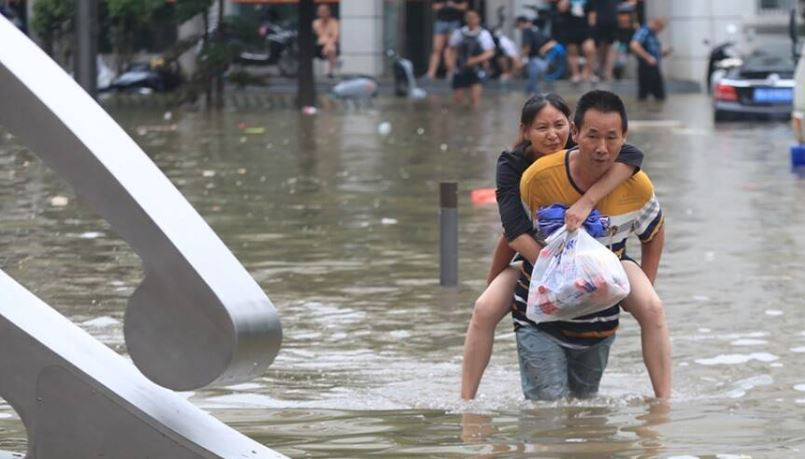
(749, 342)
(741, 387)
(735, 359)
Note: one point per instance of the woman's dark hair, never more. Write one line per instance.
(533, 106)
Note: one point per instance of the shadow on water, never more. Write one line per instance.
(338, 221)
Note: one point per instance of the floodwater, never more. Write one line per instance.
(339, 224)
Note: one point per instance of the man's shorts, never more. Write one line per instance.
(465, 78)
(319, 51)
(550, 371)
(574, 32)
(445, 27)
(605, 34)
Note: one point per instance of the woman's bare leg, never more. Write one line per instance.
(436, 54)
(475, 92)
(573, 62)
(645, 305)
(588, 49)
(493, 304)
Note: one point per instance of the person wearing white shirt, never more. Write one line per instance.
(470, 47)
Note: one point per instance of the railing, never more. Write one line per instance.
(197, 319)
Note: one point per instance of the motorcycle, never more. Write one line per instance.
(279, 46)
(143, 78)
(356, 87)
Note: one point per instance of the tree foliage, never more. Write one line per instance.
(52, 19)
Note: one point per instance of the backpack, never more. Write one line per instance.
(470, 46)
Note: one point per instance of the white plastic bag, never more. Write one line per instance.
(574, 275)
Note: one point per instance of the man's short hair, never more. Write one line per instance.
(602, 101)
(521, 19)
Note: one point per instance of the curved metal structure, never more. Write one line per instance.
(197, 319)
(78, 399)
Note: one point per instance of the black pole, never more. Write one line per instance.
(306, 92)
(219, 73)
(86, 68)
(448, 234)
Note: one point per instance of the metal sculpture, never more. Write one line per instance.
(197, 319)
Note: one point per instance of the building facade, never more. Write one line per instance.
(695, 25)
(370, 27)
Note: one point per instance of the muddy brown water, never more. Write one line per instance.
(339, 224)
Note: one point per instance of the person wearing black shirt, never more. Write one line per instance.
(448, 19)
(604, 20)
(535, 45)
(572, 29)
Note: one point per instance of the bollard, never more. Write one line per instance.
(448, 234)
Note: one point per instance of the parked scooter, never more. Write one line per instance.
(404, 80)
(358, 87)
(145, 78)
(279, 47)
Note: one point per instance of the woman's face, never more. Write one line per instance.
(548, 132)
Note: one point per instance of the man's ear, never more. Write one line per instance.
(625, 134)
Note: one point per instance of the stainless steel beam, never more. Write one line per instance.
(197, 318)
(78, 399)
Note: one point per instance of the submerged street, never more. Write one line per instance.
(336, 218)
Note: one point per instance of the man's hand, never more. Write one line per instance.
(650, 60)
(577, 214)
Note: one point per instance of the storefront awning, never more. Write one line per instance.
(282, 1)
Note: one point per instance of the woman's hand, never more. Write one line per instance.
(577, 214)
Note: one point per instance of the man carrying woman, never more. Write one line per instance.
(544, 129)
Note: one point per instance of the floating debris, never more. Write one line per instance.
(384, 128)
(59, 201)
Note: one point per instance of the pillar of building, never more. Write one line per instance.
(693, 27)
(362, 37)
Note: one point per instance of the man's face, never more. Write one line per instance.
(657, 25)
(472, 19)
(600, 138)
(323, 11)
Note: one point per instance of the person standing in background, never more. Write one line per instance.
(603, 19)
(471, 47)
(448, 20)
(535, 46)
(572, 29)
(647, 48)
